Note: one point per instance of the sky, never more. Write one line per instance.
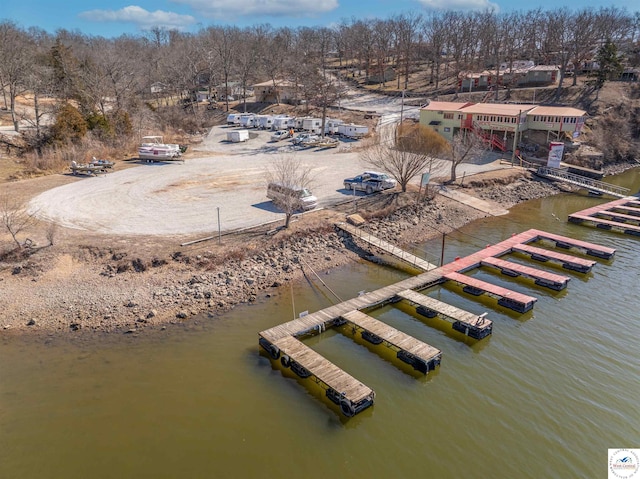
(112, 18)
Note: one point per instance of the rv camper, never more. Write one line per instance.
(283, 123)
(353, 131)
(247, 120)
(331, 126)
(312, 125)
(264, 122)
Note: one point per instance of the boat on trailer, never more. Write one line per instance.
(153, 149)
(86, 169)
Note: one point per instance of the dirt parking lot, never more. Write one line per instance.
(185, 198)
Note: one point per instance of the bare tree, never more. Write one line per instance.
(463, 149)
(247, 57)
(382, 42)
(14, 217)
(583, 37)
(435, 31)
(14, 64)
(407, 27)
(294, 178)
(405, 159)
(275, 56)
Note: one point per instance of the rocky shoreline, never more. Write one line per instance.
(117, 295)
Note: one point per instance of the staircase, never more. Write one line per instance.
(583, 181)
(493, 140)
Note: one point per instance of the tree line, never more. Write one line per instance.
(110, 79)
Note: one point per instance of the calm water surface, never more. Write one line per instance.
(544, 397)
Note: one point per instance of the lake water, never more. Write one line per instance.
(544, 397)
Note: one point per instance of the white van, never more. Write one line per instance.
(302, 198)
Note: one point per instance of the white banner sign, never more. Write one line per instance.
(556, 149)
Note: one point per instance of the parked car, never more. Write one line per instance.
(300, 198)
(280, 135)
(370, 182)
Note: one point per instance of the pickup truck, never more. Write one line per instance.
(280, 135)
(369, 182)
(305, 139)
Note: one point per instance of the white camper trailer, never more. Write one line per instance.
(283, 123)
(331, 126)
(312, 125)
(353, 131)
(247, 120)
(264, 122)
(297, 125)
(237, 136)
(233, 119)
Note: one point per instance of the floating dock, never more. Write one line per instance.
(509, 299)
(621, 215)
(343, 389)
(282, 341)
(473, 325)
(419, 355)
(567, 261)
(541, 278)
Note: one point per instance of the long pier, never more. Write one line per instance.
(283, 341)
(387, 247)
(621, 215)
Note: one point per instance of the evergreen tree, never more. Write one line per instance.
(610, 64)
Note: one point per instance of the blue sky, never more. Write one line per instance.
(115, 17)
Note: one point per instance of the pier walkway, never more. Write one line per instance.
(387, 247)
(282, 341)
(620, 215)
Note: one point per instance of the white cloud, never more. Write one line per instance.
(236, 8)
(460, 5)
(141, 17)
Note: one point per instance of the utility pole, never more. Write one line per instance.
(219, 232)
(515, 139)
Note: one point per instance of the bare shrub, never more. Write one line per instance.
(139, 265)
(51, 232)
(14, 217)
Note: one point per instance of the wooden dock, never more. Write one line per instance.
(282, 341)
(621, 215)
(473, 325)
(583, 247)
(567, 261)
(509, 299)
(421, 356)
(541, 278)
(343, 389)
